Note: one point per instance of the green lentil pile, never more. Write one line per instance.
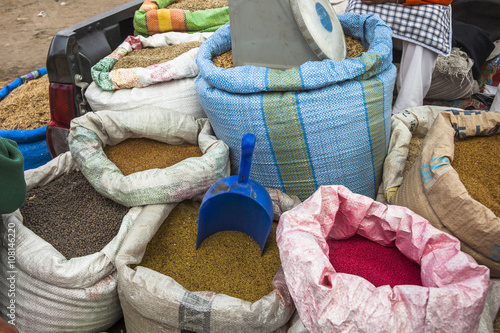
(135, 155)
(477, 164)
(228, 262)
(72, 216)
(154, 55)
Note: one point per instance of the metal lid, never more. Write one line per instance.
(318, 23)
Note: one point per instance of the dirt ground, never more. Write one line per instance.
(27, 28)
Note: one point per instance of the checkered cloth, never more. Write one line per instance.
(425, 25)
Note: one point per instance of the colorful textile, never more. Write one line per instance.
(324, 122)
(153, 17)
(425, 25)
(490, 73)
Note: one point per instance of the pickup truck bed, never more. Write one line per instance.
(72, 53)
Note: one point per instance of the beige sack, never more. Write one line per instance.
(154, 302)
(440, 197)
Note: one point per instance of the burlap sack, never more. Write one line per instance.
(440, 196)
(411, 123)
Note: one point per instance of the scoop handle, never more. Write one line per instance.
(247, 146)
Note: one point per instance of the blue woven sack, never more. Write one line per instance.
(322, 123)
(31, 143)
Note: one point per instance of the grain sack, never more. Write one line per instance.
(324, 122)
(452, 77)
(486, 322)
(454, 285)
(184, 180)
(406, 127)
(27, 127)
(434, 190)
(154, 302)
(167, 86)
(153, 17)
(48, 292)
(177, 95)
(180, 67)
(491, 308)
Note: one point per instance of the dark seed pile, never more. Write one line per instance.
(135, 155)
(228, 262)
(72, 216)
(154, 55)
(477, 164)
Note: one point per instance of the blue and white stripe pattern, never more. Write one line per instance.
(425, 25)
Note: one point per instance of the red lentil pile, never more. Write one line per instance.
(376, 263)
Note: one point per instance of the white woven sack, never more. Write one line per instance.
(52, 294)
(175, 95)
(108, 78)
(89, 134)
(153, 302)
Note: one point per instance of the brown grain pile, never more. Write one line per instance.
(72, 216)
(225, 60)
(228, 262)
(27, 106)
(195, 5)
(353, 48)
(135, 155)
(477, 164)
(154, 55)
(413, 153)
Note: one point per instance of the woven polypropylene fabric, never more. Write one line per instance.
(425, 25)
(324, 122)
(153, 17)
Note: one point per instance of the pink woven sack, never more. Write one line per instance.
(454, 285)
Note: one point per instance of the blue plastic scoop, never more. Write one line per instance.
(237, 203)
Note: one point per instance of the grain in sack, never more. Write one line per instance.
(91, 133)
(155, 302)
(433, 187)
